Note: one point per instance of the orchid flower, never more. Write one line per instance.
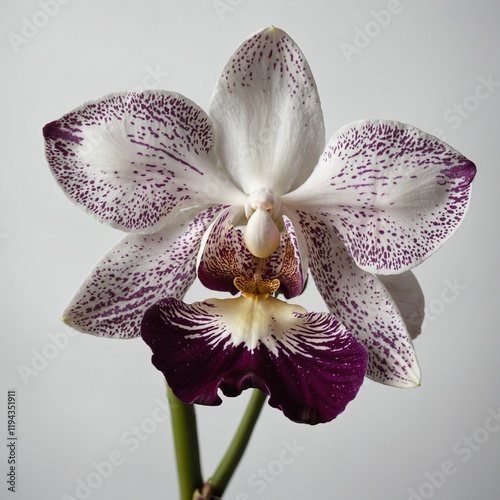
(374, 202)
(308, 363)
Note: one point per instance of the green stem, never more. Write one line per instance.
(186, 446)
(233, 455)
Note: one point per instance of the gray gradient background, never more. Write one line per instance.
(82, 405)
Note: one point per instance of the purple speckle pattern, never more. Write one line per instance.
(287, 263)
(309, 364)
(130, 159)
(267, 109)
(265, 54)
(362, 304)
(136, 273)
(393, 193)
(225, 257)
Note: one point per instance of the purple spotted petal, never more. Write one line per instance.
(268, 122)
(308, 363)
(363, 305)
(288, 263)
(225, 256)
(131, 159)
(393, 193)
(408, 296)
(135, 274)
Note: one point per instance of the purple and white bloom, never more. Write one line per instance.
(308, 363)
(375, 201)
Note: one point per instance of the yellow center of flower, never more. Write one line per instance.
(257, 286)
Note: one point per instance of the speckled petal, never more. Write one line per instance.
(308, 363)
(363, 305)
(268, 122)
(134, 159)
(289, 262)
(393, 193)
(224, 257)
(408, 296)
(135, 274)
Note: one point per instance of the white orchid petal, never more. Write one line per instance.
(137, 272)
(363, 305)
(408, 296)
(268, 123)
(393, 193)
(133, 160)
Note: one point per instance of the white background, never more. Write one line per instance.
(81, 405)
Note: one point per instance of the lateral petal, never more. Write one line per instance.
(131, 159)
(135, 273)
(307, 362)
(393, 193)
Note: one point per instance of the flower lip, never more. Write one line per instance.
(308, 363)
